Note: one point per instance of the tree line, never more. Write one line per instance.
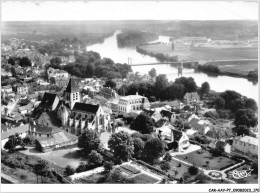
(89, 64)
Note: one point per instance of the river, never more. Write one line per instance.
(110, 49)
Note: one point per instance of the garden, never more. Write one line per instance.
(206, 160)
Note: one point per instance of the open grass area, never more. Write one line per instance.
(238, 67)
(199, 160)
(143, 179)
(61, 157)
(92, 179)
(204, 53)
(252, 179)
(26, 176)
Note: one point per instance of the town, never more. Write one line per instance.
(118, 126)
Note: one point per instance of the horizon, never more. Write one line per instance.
(112, 10)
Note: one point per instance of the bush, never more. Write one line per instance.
(23, 177)
(95, 158)
(69, 170)
(165, 166)
(193, 170)
(108, 166)
(167, 157)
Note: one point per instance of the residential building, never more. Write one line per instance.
(22, 89)
(57, 73)
(133, 103)
(170, 135)
(190, 98)
(107, 93)
(49, 102)
(61, 81)
(7, 131)
(26, 108)
(154, 114)
(7, 89)
(246, 145)
(171, 116)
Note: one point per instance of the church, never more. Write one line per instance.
(76, 116)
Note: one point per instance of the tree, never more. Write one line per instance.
(13, 71)
(167, 157)
(143, 124)
(116, 177)
(138, 147)
(55, 61)
(88, 141)
(251, 104)
(160, 84)
(41, 168)
(12, 142)
(110, 83)
(152, 73)
(121, 144)
(165, 166)
(188, 83)
(193, 170)
(52, 80)
(205, 88)
(245, 117)
(241, 130)
(11, 61)
(25, 62)
(95, 158)
(69, 170)
(153, 149)
(108, 166)
(220, 103)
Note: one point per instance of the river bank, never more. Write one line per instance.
(227, 66)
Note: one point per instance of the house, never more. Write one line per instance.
(55, 141)
(22, 89)
(49, 119)
(190, 98)
(83, 116)
(49, 102)
(7, 131)
(132, 103)
(26, 108)
(221, 144)
(7, 89)
(154, 114)
(107, 93)
(57, 73)
(61, 81)
(246, 145)
(171, 135)
(171, 116)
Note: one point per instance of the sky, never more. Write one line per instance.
(128, 10)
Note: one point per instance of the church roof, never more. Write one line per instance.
(86, 107)
(47, 100)
(72, 86)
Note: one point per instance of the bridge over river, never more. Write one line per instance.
(192, 63)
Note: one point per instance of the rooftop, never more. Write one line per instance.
(86, 107)
(72, 86)
(131, 97)
(250, 140)
(48, 99)
(19, 130)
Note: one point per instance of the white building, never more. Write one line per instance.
(246, 145)
(132, 103)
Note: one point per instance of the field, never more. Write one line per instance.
(204, 53)
(238, 67)
(215, 163)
